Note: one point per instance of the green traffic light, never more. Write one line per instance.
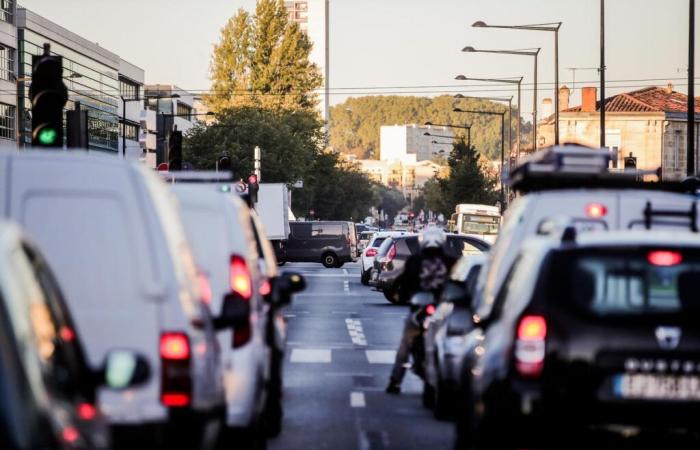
(47, 136)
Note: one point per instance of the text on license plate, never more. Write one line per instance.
(657, 387)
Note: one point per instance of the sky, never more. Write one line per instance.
(377, 46)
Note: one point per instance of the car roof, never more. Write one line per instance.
(623, 238)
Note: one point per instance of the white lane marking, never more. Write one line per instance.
(345, 272)
(290, 315)
(346, 287)
(310, 355)
(321, 275)
(381, 356)
(357, 400)
(357, 334)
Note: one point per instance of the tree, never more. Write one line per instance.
(391, 201)
(263, 61)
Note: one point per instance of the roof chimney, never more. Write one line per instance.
(669, 88)
(564, 96)
(589, 98)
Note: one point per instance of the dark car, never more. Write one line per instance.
(596, 332)
(394, 252)
(47, 391)
(330, 243)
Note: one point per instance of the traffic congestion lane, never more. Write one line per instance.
(341, 344)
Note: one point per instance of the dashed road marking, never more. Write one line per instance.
(345, 271)
(310, 355)
(381, 356)
(346, 286)
(357, 400)
(356, 332)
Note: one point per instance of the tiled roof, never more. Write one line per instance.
(650, 99)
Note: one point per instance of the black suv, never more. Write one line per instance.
(586, 333)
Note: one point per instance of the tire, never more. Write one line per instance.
(364, 277)
(340, 264)
(428, 397)
(444, 403)
(390, 295)
(251, 438)
(329, 260)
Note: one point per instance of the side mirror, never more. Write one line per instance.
(124, 369)
(235, 312)
(287, 284)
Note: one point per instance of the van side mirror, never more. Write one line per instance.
(235, 312)
(286, 284)
(123, 369)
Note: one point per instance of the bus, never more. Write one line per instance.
(482, 221)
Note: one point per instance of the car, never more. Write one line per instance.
(400, 248)
(588, 330)
(370, 251)
(445, 337)
(113, 234)
(330, 243)
(363, 239)
(574, 183)
(48, 392)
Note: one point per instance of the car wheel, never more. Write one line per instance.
(340, 264)
(390, 295)
(444, 402)
(329, 260)
(428, 396)
(364, 277)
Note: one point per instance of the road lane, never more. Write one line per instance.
(342, 338)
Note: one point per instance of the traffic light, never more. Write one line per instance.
(175, 150)
(253, 188)
(48, 95)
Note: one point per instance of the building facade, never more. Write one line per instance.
(8, 70)
(131, 81)
(399, 142)
(312, 17)
(648, 124)
(408, 176)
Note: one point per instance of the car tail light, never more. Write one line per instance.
(70, 434)
(87, 411)
(67, 333)
(430, 310)
(174, 346)
(265, 288)
(391, 254)
(596, 210)
(371, 252)
(241, 282)
(176, 379)
(530, 346)
(664, 258)
(204, 288)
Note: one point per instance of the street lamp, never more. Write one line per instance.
(517, 81)
(493, 113)
(441, 136)
(463, 127)
(552, 27)
(527, 52)
(510, 113)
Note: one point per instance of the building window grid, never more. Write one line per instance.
(131, 131)
(184, 111)
(7, 121)
(7, 63)
(7, 11)
(128, 89)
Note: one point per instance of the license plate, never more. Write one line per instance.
(657, 387)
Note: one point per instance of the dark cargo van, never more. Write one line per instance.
(330, 243)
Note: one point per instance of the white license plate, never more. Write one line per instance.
(657, 387)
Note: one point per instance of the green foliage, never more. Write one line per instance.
(390, 201)
(355, 123)
(263, 60)
(468, 182)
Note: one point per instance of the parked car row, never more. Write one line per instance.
(134, 314)
(580, 320)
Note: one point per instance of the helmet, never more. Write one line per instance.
(432, 238)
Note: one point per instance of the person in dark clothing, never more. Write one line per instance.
(426, 271)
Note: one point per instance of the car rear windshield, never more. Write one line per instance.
(378, 241)
(613, 282)
(384, 248)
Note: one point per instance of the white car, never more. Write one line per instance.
(368, 254)
(111, 231)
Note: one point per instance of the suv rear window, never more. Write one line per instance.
(625, 282)
(378, 241)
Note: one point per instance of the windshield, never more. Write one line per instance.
(478, 224)
(631, 283)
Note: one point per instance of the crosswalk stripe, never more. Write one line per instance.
(380, 356)
(357, 400)
(310, 355)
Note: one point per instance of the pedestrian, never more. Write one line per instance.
(426, 271)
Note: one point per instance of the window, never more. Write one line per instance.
(7, 121)
(677, 141)
(326, 230)
(7, 63)
(128, 89)
(131, 131)
(7, 11)
(301, 230)
(184, 110)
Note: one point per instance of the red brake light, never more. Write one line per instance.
(392, 253)
(175, 399)
(86, 411)
(371, 252)
(430, 310)
(67, 334)
(664, 258)
(204, 288)
(266, 288)
(596, 210)
(241, 283)
(174, 346)
(532, 328)
(70, 434)
(530, 346)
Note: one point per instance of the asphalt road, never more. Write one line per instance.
(341, 344)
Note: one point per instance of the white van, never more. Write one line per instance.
(112, 233)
